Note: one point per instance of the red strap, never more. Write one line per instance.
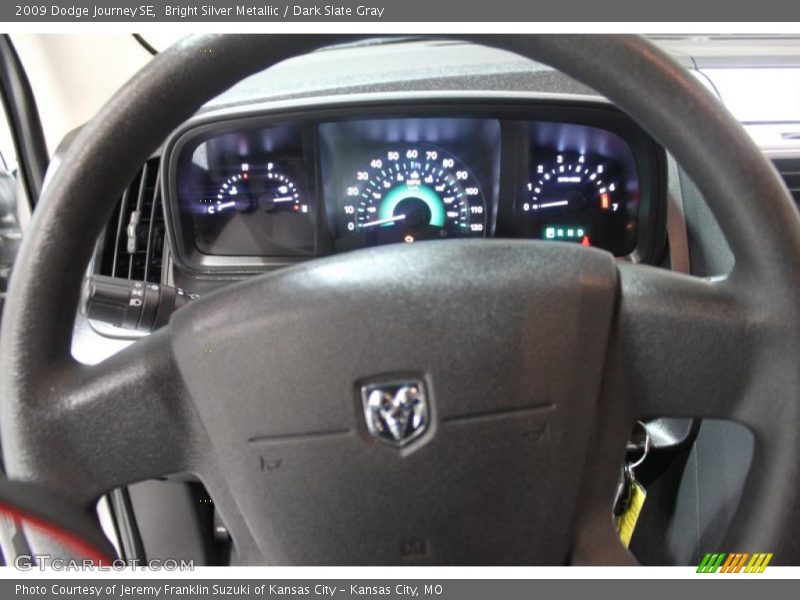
(68, 538)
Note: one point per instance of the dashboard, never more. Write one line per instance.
(257, 190)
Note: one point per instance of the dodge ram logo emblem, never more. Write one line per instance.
(396, 411)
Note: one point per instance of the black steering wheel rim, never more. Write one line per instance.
(49, 402)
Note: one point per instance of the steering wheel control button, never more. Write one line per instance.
(128, 304)
(396, 411)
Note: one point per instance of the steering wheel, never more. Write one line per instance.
(536, 358)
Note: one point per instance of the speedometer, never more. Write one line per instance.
(412, 192)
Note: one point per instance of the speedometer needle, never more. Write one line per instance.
(383, 221)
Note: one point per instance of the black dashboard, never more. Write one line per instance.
(259, 189)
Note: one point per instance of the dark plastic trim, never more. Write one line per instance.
(24, 122)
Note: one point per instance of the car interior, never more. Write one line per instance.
(359, 300)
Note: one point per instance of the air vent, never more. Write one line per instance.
(134, 238)
(789, 169)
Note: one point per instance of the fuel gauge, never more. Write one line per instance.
(280, 193)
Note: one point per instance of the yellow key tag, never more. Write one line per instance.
(626, 522)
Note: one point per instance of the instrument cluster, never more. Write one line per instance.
(263, 192)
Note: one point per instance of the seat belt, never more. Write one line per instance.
(676, 221)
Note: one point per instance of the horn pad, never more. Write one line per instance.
(479, 363)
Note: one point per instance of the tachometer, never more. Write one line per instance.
(585, 198)
(413, 192)
(570, 183)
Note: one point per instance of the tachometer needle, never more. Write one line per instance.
(383, 221)
(283, 199)
(551, 204)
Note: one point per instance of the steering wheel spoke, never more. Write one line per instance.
(92, 428)
(683, 346)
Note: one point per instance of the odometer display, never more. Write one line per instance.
(407, 193)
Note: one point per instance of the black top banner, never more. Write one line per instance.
(440, 11)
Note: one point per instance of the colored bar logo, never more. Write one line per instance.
(736, 562)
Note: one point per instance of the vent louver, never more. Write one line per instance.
(789, 169)
(134, 238)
